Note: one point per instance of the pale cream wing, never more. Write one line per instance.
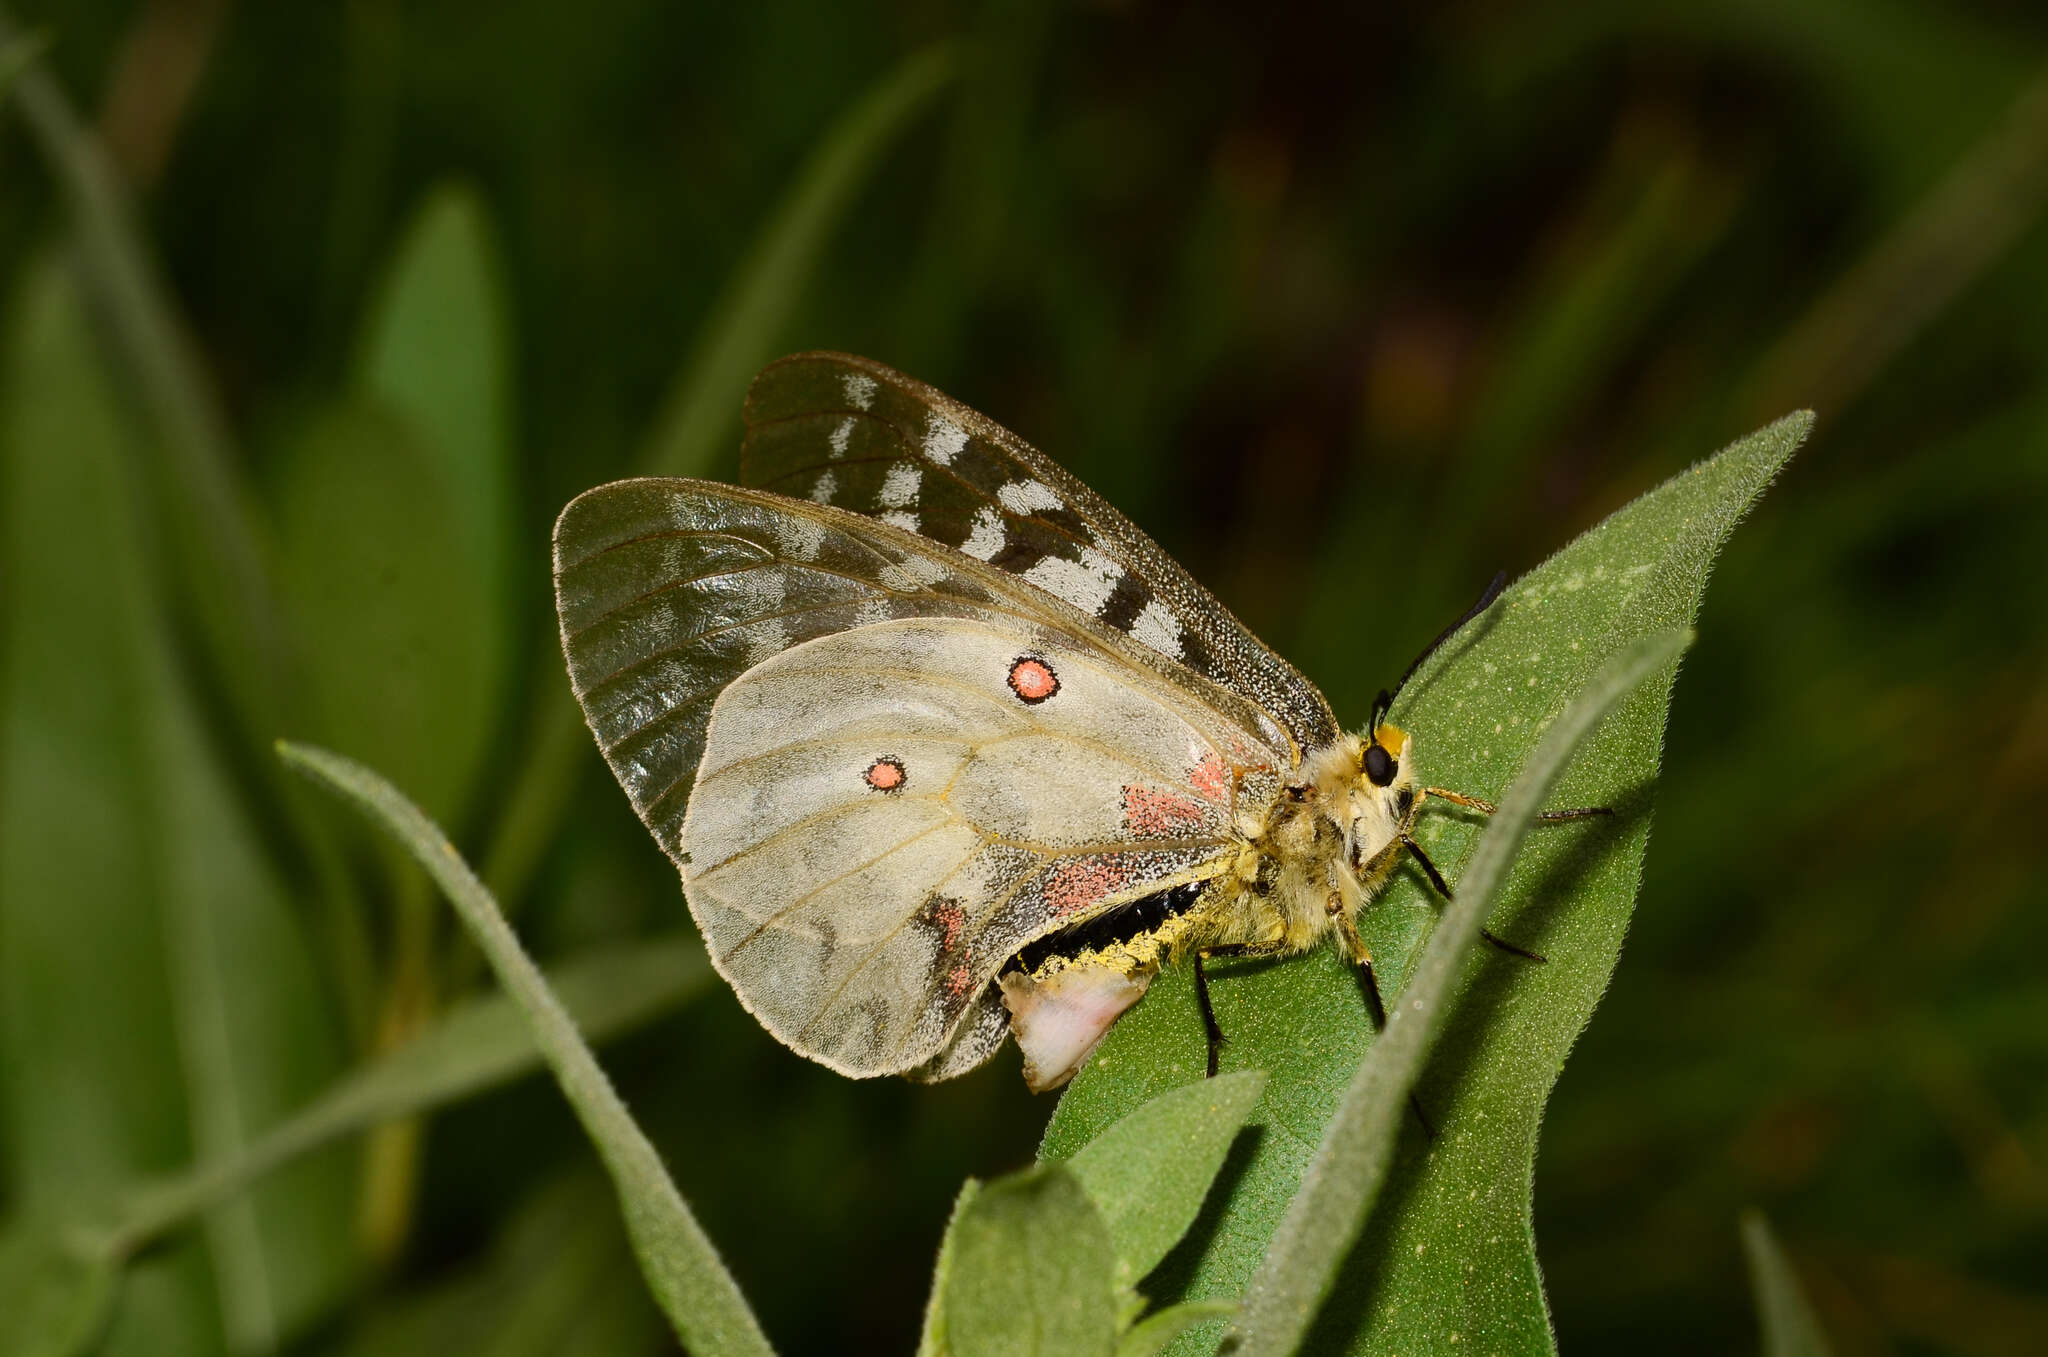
(886, 815)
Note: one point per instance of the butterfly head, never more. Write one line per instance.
(1365, 783)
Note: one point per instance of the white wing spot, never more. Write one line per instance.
(766, 639)
(899, 486)
(826, 488)
(842, 436)
(900, 518)
(943, 439)
(860, 391)
(1159, 628)
(1027, 497)
(1086, 583)
(987, 536)
(799, 538)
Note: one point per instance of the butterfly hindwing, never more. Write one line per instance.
(883, 818)
(850, 432)
(906, 765)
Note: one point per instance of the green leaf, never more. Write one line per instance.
(1458, 1206)
(480, 1042)
(1790, 1328)
(1156, 1331)
(682, 1268)
(437, 353)
(1028, 1271)
(1149, 1172)
(54, 1298)
(1350, 1165)
(392, 617)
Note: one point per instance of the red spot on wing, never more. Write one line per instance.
(885, 775)
(958, 981)
(1032, 679)
(1211, 780)
(1151, 813)
(1073, 886)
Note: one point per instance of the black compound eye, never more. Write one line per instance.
(1379, 765)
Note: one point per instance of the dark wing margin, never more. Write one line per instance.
(852, 433)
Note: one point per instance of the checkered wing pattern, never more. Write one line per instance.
(846, 431)
(882, 766)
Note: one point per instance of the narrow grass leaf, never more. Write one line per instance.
(1149, 1173)
(682, 1267)
(1029, 1271)
(1344, 1178)
(1789, 1326)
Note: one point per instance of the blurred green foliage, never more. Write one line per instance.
(1347, 309)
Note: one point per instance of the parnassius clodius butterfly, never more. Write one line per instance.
(944, 747)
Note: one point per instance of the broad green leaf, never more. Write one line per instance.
(682, 1268)
(437, 353)
(1790, 1328)
(1458, 1206)
(480, 1042)
(143, 934)
(1028, 1270)
(1149, 1172)
(391, 617)
(1344, 1179)
(54, 1298)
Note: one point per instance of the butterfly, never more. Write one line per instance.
(946, 749)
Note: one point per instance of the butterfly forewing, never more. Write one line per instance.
(845, 431)
(907, 765)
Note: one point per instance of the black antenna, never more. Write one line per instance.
(1385, 702)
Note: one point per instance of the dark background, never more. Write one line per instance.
(1348, 310)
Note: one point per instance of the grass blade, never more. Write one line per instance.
(681, 1265)
(1790, 1328)
(1351, 1163)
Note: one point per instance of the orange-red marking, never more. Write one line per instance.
(885, 775)
(1073, 886)
(1151, 813)
(1032, 679)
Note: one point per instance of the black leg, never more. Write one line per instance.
(1209, 1022)
(1510, 948)
(1436, 879)
(1370, 979)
